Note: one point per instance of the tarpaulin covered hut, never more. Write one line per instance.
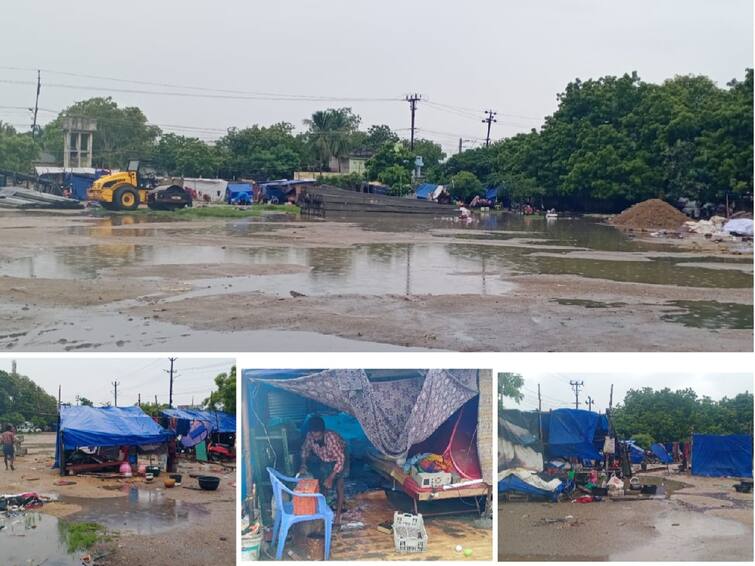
(722, 455)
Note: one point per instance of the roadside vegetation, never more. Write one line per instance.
(80, 536)
(612, 141)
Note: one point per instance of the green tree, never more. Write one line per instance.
(122, 133)
(260, 153)
(397, 178)
(644, 441)
(465, 185)
(510, 387)
(432, 156)
(23, 400)
(224, 396)
(388, 156)
(17, 151)
(153, 409)
(330, 134)
(185, 156)
(85, 402)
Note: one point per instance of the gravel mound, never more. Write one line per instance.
(653, 214)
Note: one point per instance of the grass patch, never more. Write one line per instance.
(213, 211)
(80, 536)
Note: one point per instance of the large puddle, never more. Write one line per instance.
(34, 538)
(141, 512)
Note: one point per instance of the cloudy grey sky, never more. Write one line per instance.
(557, 393)
(92, 378)
(466, 56)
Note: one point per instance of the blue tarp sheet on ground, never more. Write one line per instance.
(108, 426)
(636, 454)
(238, 193)
(425, 190)
(515, 484)
(660, 452)
(718, 456)
(491, 193)
(572, 432)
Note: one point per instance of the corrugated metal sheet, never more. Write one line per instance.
(285, 405)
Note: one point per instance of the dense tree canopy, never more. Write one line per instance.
(17, 151)
(258, 152)
(23, 400)
(510, 387)
(224, 397)
(668, 416)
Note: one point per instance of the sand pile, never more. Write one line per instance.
(652, 214)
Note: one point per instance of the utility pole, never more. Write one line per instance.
(139, 400)
(155, 400)
(610, 399)
(170, 371)
(460, 142)
(412, 100)
(115, 385)
(489, 119)
(59, 393)
(589, 403)
(36, 106)
(575, 385)
(539, 413)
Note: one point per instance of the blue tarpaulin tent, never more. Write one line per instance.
(636, 454)
(513, 483)
(491, 193)
(425, 191)
(572, 433)
(218, 421)
(718, 456)
(238, 193)
(660, 452)
(82, 426)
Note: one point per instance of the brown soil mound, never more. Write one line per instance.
(651, 214)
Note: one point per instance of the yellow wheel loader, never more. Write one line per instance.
(126, 190)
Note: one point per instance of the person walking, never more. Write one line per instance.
(8, 440)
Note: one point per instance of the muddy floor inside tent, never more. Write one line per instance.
(694, 519)
(128, 520)
(77, 281)
(457, 528)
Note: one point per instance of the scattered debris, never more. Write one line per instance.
(18, 197)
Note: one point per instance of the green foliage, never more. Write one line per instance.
(153, 409)
(330, 133)
(186, 157)
(389, 155)
(510, 386)
(23, 400)
(224, 397)
(348, 181)
(614, 141)
(644, 441)
(122, 133)
(669, 416)
(397, 178)
(17, 151)
(465, 185)
(432, 156)
(261, 153)
(85, 402)
(80, 536)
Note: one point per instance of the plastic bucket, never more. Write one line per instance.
(250, 547)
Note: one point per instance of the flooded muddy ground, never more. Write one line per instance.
(697, 519)
(142, 523)
(77, 282)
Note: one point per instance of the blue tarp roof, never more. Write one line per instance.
(425, 190)
(660, 452)
(491, 193)
(108, 426)
(718, 456)
(572, 432)
(237, 188)
(218, 420)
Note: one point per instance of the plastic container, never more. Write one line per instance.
(209, 483)
(409, 534)
(431, 479)
(250, 547)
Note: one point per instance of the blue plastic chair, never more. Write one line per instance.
(285, 517)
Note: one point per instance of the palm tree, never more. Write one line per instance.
(330, 133)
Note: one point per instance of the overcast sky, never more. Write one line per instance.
(510, 56)
(557, 393)
(92, 378)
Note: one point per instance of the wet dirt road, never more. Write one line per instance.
(77, 282)
(704, 521)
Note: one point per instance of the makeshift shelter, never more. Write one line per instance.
(217, 421)
(720, 456)
(401, 413)
(491, 193)
(83, 426)
(520, 480)
(206, 190)
(661, 453)
(574, 433)
(519, 444)
(239, 193)
(636, 454)
(425, 191)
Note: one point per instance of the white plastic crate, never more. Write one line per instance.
(434, 479)
(409, 534)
